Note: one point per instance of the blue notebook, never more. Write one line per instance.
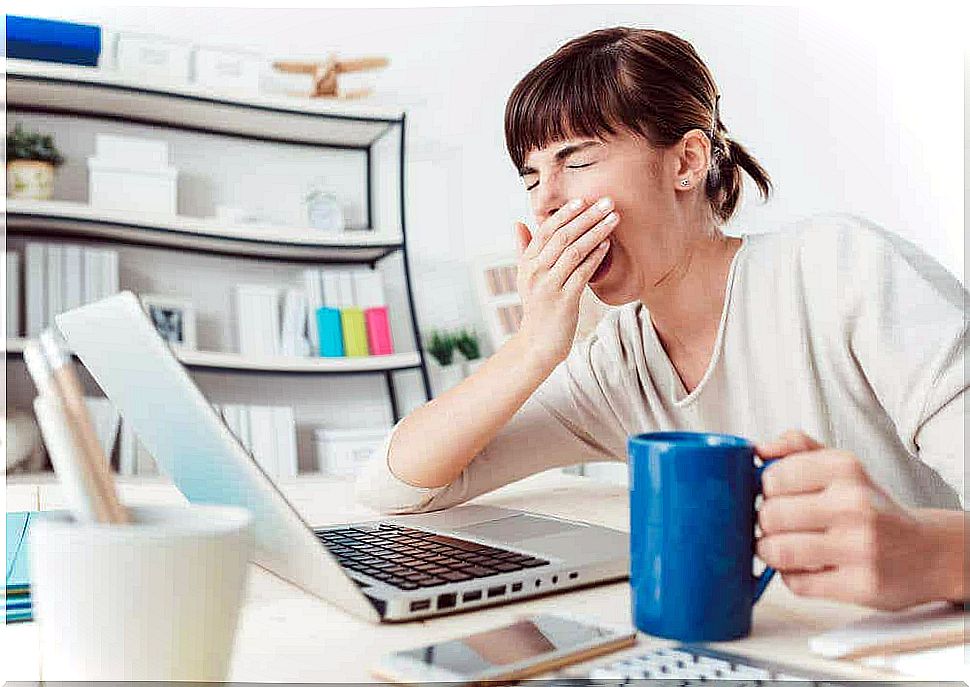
(17, 579)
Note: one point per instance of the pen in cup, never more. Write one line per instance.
(68, 416)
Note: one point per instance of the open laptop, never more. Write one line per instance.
(396, 568)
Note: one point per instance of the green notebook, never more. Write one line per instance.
(355, 332)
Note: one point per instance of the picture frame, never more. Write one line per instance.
(174, 319)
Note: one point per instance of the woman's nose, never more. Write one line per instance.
(546, 202)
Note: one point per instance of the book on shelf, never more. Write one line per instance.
(337, 313)
(369, 296)
(257, 319)
(314, 300)
(268, 433)
(263, 436)
(133, 457)
(60, 276)
(293, 338)
(106, 421)
(355, 332)
(13, 293)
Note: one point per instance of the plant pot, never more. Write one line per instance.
(443, 377)
(30, 179)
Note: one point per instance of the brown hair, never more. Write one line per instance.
(648, 82)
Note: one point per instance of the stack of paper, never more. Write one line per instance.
(927, 641)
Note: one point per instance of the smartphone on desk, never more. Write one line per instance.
(527, 647)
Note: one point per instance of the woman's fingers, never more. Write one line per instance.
(582, 274)
(799, 513)
(797, 551)
(586, 222)
(576, 252)
(549, 227)
(810, 471)
(522, 237)
(789, 442)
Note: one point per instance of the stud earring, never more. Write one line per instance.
(685, 182)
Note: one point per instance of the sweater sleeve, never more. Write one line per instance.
(906, 326)
(561, 424)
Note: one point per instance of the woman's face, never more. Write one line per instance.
(638, 178)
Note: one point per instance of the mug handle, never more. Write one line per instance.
(761, 581)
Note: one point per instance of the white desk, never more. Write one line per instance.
(285, 635)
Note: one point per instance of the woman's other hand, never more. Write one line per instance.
(555, 264)
(831, 532)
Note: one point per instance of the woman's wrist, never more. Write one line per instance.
(535, 362)
(945, 533)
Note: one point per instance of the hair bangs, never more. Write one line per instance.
(567, 96)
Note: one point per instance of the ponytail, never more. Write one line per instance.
(724, 180)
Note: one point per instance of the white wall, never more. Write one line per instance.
(848, 110)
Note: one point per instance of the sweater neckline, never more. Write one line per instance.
(681, 397)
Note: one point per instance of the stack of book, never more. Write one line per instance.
(260, 328)
(348, 313)
(60, 276)
(337, 313)
(267, 432)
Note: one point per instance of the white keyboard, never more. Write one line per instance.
(695, 665)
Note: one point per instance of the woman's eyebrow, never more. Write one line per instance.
(563, 153)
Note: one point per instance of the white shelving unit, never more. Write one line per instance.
(82, 99)
(108, 94)
(78, 220)
(233, 361)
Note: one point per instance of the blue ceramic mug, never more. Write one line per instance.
(692, 518)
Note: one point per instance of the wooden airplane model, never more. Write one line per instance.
(325, 74)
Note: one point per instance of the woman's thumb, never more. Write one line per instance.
(522, 236)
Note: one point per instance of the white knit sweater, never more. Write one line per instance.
(833, 326)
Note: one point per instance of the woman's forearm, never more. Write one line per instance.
(433, 444)
(946, 528)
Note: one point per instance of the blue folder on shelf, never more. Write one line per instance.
(17, 598)
(50, 40)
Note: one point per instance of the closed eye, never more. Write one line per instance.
(588, 164)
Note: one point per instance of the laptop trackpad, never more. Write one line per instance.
(517, 528)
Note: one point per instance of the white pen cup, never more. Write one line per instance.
(156, 599)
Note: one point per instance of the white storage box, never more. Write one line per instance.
(227, 70)
(342, 452)
(158, 58)
(120, 187)
(130, 151)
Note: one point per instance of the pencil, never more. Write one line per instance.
(79, 420)
(76, 480)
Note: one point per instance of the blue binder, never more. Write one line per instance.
(331, 332)
(48, 40)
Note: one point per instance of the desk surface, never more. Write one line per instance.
(286, 635)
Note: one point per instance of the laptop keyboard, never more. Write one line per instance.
(414, 559)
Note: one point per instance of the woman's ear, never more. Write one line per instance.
(693, 161)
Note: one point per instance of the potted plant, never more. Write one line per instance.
(445, 373)
(31, 159)
(466, 341)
